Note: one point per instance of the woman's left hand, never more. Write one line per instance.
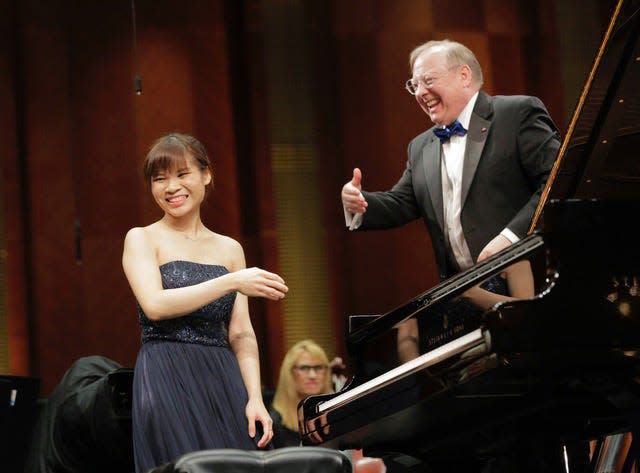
(257, 413)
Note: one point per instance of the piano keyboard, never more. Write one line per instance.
(455, 347)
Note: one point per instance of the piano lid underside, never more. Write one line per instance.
(617, 179)
(602, 154)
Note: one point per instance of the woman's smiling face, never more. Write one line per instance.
(181, 187)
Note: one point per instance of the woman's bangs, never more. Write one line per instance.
(163, 158)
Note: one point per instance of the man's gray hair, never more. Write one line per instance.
(457, 54)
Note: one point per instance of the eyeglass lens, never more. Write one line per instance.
(308, 368)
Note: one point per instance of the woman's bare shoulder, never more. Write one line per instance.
(232, 249)
(141, 233)
(226, 241)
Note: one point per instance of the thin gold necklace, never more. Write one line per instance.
(185, 234)
(190, 238)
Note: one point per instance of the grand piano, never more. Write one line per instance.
(565, 363)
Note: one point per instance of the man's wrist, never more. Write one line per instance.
(509, 235)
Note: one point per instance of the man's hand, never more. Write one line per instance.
(352, 197)
(496, 245)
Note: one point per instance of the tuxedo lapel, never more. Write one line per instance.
(479, 127)
(431, 156)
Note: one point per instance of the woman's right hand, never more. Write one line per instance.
(256, 282)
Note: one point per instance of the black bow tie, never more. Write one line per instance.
(444, 133)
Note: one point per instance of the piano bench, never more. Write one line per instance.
(280, 460)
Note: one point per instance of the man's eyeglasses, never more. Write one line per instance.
(425, 81)
(306, 369)
(412, 84)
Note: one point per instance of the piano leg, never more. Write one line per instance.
(613, 454)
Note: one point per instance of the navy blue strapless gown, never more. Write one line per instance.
(188, 392)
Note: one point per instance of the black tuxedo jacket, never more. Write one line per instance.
(511, 146)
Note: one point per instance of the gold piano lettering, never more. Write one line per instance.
(455, 330)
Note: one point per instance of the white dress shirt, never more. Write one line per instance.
(451, 169)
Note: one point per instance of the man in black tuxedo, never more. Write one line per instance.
(475, 177)
(476, 191)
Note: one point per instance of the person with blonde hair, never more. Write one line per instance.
(305, 371)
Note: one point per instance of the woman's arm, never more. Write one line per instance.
(243, 342)
(140, 266)
(519, 281)
(407, 340)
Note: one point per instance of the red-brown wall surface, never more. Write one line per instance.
(73, 134)
(80, 139)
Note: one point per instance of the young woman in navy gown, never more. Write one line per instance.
(197, 380)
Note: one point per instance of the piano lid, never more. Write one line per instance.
(600, 155)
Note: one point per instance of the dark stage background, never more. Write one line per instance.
(288, 96)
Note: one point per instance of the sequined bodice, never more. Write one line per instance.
(205, 326)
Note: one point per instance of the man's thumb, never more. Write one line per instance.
(356, 181)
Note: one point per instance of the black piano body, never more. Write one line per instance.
(565, 360)
(565, 363)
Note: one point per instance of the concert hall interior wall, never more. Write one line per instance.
(287, 96)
